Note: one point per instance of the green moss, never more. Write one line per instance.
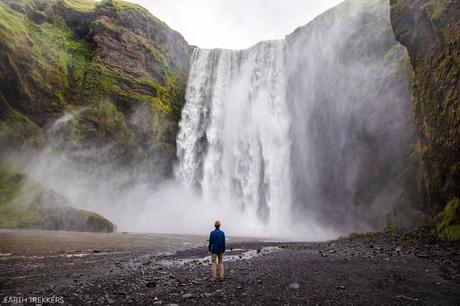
(12, 26)
(69, 57)
(167, 94)
(105, 81)
(18, 204)
(4, 129)
(123, 5)
(20, 216)
(94, 126)
(107, 25)
(159, 57)
(451, 233)
(81, 5)
(21, 207)
(10, 184)
(82, 131)
(58, 60)
(96, 222)
(448, 227)
(102, 82)
(16, 128)
(161, 106)
(58, 71)
(436, 7)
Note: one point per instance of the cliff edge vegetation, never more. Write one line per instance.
(429, 29)
(85, 76)
(100, 82)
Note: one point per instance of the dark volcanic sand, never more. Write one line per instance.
(369, 270)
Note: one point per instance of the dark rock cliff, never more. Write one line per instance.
(430, 30)
(101, 83)
(348, 89)
(112, 73)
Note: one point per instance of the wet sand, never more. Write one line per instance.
(30, 242)
(149, 269)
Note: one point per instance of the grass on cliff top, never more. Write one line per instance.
(123, 5)
(81, 5)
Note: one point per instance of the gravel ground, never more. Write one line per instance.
(371, 269)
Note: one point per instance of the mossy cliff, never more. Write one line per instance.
(27, 204)
(429, 29)
(105, 77)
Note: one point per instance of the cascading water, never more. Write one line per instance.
(234, 143)
(306, 138)
(309, 133)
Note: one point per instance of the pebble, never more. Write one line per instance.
(151, 285)
(294, 286)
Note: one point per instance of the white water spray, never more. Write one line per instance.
(234, 143)
(302, 139)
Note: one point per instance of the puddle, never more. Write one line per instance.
(248, 254)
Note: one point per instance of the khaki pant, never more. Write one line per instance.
(214, 266)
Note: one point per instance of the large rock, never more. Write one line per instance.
(27, 204)
(106, 78)
(430, 32)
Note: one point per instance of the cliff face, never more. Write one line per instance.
(84, 77)
(101, 82)
(348, 90)
(430, 31)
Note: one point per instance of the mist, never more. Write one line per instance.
(349, 95)
(299, 139)
(136, 203)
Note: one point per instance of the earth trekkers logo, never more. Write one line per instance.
(33, 300)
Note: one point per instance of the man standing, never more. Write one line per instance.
(217, 250)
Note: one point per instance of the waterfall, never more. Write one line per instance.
(233, 144)
(307, 136)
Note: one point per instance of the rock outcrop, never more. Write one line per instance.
(101, 83)
(26, 204)
(84, 76)
(430, 32)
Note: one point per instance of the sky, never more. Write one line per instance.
(235, 24)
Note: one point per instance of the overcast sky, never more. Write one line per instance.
(235, 24)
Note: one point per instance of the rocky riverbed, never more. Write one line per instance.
(371, 269)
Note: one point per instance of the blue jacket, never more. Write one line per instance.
(217, 241)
